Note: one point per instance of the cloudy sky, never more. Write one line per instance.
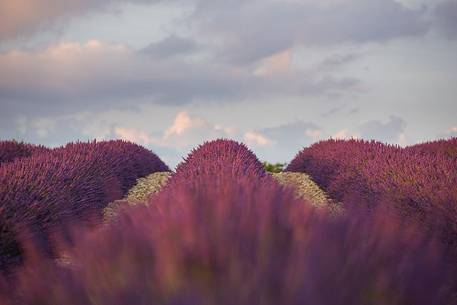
(276, 74)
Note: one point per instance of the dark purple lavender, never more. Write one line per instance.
(447, 148)
(42, 194)
(127, 161)
(10, 150)
(219, 155)
(218, 158)
(420, 186)
(225, 239)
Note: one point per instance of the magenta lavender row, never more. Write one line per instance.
(42, 194)
(11, 150)
(218, 237)
(447, 148)
(418, 182)
(220, 154)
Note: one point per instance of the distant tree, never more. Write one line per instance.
(274, 167)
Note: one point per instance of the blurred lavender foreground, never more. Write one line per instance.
(215, 236)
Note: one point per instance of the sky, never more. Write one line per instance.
(277, 75)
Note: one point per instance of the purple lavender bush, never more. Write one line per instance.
(221, 154)
(128, 161)
(225, 239)
(327, 160)
(447, 148)
(215, 159)
(419, 186)
(10, 150)
(43, 194)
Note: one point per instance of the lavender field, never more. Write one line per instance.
(219, 229)
(228, 152)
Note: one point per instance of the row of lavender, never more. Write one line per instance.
(11, 150)
(43, 191)
(447, 148)
(419, 182)
(224, 232)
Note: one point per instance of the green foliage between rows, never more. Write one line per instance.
(274, 167)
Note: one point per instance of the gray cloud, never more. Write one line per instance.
(389, 131)
(73, 73)
(244, 31)
(446, 18)
(288, 139)
(333, 111)
(71, 76)
(171, 46)
(256, 29)
(236, 40)
(22, 18)
(339, 60)
(339, 110)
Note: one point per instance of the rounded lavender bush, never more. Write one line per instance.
(43, 194)
(418, 185)
(219, 155)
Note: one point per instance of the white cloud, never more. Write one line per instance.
(90, 125)
(21, 123)
(403, 140)
(133, 135)
(187, 130)
(313, 133)
(276, 64)
(345, 134)
(43, 126)
(452, 130)
(256, 138)
(182, 123)
(229, 131)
